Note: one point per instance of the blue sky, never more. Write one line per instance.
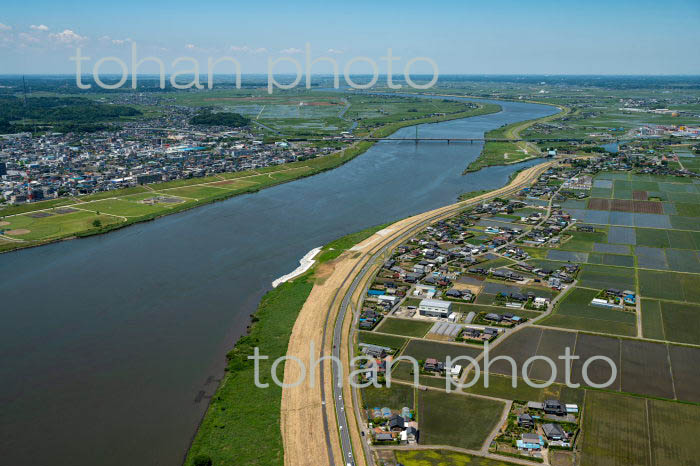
(508, 37)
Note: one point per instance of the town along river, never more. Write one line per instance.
(108, 344)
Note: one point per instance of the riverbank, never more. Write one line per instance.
(305, 263)
(241, 415)
(506, 153)
(62, 219)
(303, 406)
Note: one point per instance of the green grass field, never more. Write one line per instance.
(621, 430)
(395, 397)
(437, 415)
(602, 276)
(669, 285)
(444, 458)
(389, 341)
(674, 429)
(501, 387)
(423, 349)
(404, 327)
(615, 430)
(55, 226)
(666, 320)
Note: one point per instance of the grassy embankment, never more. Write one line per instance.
(504, 153)
(242, 424)
(120, 208)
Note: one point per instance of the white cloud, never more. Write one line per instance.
(246, 49)
(5, 27)
(41, 27)
(28, 38)
(67, 37)
(291, 51)
(335, 51)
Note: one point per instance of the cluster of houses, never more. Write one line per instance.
(533, 427)
(369, 318)
(388, 427)
(612, 298)
(506, 319)
(478, 335)
(52, 165)
(556, 279)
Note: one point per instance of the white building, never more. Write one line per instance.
(435, 308)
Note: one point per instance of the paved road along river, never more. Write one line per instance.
(107, 344)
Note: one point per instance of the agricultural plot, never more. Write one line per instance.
(552, 345)
(652, 323)
(389, 341)
(611, 248)
(444, 458)
(650, 258)
(686, 377)
(682, 260)
(621, 235)
(615, 431)
(617, 260)
(685, 223)
(436, 407)
(423, 349)
(678, 322)
(674, 430)
(687, 209)
(576, 312)
(626, 204)
(652, 238)
(395, 397)
(638, 358)
(404, 327)
(520, 346)
(566, 256)
(602, 277)
(669, 285)
(598, 371)
(679, 239)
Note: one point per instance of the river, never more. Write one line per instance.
(107, 343)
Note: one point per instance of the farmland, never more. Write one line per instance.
(404, 327)
(423, 349)
(613, 434)
(381, 340)
(395, 397)
(444, 458)
(672, 321)
(622, 430)
(434, 407)
(576, 312)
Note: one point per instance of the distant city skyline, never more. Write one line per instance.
(539, 37)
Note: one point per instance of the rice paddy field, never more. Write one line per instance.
(574, 311)
(436, 408)
(622, 430)
(444, 458)
(405, 327)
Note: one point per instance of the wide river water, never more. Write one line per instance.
(107, 343)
